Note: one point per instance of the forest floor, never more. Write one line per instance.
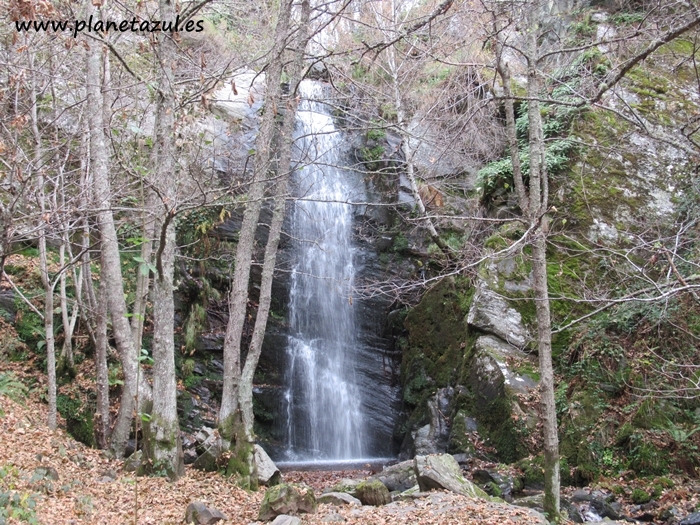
(93, 489)
(80, 485)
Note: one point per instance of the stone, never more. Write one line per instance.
(373, 492)
(284, 519)
(267, 472)
(492, 314)
(108, 476)
(503, 353)
(333, 518)
(349, 486)
(287, 498)
(210, 446)
(133, 462)
(441, 471)
(398, 477)
(198, 513)
(691, 519)
(338, 498)
(8, 310)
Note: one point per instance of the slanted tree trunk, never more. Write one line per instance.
(284, 163)
(101, 419)
(230, 419)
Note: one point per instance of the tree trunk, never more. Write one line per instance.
(229, 413)
(284, 163)
(111, 277)
(162, 444)
(101, 419)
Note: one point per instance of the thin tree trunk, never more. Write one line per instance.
(229, 413)
(101, 419)
(43, 256)
(111, 276)
(279, 207)
(162, 444)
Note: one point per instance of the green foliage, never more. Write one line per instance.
(626, 18)
(400, 243)
(372, 157)
(12, 387)
(18, 506)
(376, 134)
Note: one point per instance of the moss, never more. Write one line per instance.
(437, 335)
(499, 427)
(79, 423)
(639, 496)
(533, 470)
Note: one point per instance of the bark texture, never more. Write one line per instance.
(162, 445)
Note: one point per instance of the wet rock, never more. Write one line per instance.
(373, 492)
(287, 498)
(338, 498)
(267, 472)
(443, 472)
(198, 513)
(398, 477)
(501, 485)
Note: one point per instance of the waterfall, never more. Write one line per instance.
(324, 419)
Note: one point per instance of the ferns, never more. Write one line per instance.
(12, 387)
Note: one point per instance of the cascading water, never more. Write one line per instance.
(323, 400)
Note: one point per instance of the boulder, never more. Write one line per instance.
(373, 492)
(441, 471)
(133, 462)
(267, 472)
(398, 477)
(338, 498)
(287, 498)
(491, 313)
(198, 513)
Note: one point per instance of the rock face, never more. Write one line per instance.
(267, 472)
(198, 513)
(491, 313)
(287, 499)
(443, 472)
(373, 492)
(398, 477)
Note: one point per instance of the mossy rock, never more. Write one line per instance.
(287, 498)
(373, 492)
(437, 333)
